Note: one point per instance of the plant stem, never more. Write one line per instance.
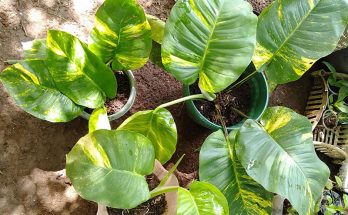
(160, 190)
(223, 124)
(240, 112)
(197, 96)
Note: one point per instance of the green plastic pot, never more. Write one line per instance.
(259, 101)
(127, 106)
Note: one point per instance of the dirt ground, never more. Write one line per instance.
(32, 150)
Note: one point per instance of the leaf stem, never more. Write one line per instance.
(262, 68)
(240, 113)
(160, 190)
(223, 124)
(197, 96)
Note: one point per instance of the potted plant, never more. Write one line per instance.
(108, 167)
(274, 155)
(210, 46)
(62, 76)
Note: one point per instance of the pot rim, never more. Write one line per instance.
(127, 106)
(208, 124)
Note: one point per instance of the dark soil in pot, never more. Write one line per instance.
(239, 98)
(123, 93)
(155, 205)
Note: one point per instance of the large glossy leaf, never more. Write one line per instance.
(31, 86)
(279, 154)
(108, 167)
(218, 164)
(99, 120)
(77, 72)
(203, 198)
(293, 34)
(210, 40)
(157, 125)
(122, 34)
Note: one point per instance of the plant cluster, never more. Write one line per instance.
(209, 42)
(338, 96)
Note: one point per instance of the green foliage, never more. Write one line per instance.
(201, 198)
(77, 72)
(33, 89)
(157, 125)
(121, 34)
(218, 164)
(109, 167)
(279, 154)
(292, 35)
(99, 120)
(213, 42)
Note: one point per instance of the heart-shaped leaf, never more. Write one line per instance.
(203, 198)
(218, 164)
(292, 35)
(157, 125)
(280, 156)
(210, 40)
(157, 28)
(31, 86)
(108, 167)
(122, 34)
(77, 72)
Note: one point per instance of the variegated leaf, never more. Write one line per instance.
(218, 164)
(293, 34)
(121, 34)
(31, 86)
(210, 40)
(279, 154)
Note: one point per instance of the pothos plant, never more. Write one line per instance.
(109, 167)
(214, 42)
(61, 75)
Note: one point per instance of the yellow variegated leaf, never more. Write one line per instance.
(121, 34)
(218, 164)
(31, 86)
(293, 34)
(212, 41)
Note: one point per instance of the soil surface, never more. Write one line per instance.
(33, 150)
(123, 92)
(225, 103)
(156, 205)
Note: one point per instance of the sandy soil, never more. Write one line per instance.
(32, 150)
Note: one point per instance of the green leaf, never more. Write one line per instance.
(345, 200)
(77, 72)
(218, 164)
(202, 198)
(292, 35)
(108, 167)
(339, 181)
(36, 49)
(156, 55)
(329, 185)
(340, 103)
(31, 86)
(157, 28)
(279, 154)
(99, 120)
(210, 40)
(157, 125)
(122, 34)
